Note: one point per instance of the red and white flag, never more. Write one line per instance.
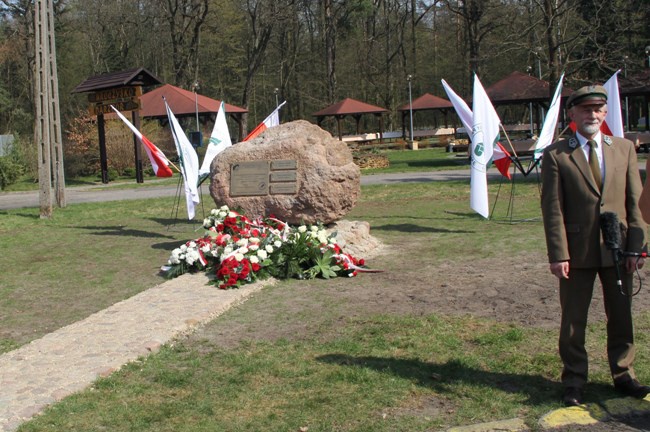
(159, 161)
(613, 124)
(272, 120)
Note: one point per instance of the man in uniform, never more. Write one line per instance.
(582, 177)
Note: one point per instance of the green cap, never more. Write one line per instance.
(592, 93)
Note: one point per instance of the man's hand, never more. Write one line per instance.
(560, 269)
(632, 263)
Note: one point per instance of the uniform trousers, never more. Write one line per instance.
(575, 297)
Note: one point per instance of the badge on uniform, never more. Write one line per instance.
(573, 143)
(607, 140)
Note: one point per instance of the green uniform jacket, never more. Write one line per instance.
(572, 203)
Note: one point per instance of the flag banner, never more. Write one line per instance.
(613, 124)
(159, 161)
(485, 136)
(501, 156)
(502, 160)
(547, 134)
(219, 141)
(272, 120)
(189, 162)
(463, 111)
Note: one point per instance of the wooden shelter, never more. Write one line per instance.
(426, 102)
(185, 103)
(354, 108)
(122, 90)
(522, 89)
(637, 86)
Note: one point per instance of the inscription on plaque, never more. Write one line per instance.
(249, 178)
(259, 178)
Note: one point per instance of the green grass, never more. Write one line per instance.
(329, 368)
(430, 159)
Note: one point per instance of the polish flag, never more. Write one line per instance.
(501, 160)
(272, 120)
(159, 161)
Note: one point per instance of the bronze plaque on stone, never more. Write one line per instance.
(283, 176)
(284, 188)
(249, 178)
(280, 164)
(259, 178)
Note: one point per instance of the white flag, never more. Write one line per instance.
(463, 111)
(219, 141)
(614, 118)
(189, 162)
(550, 122)
(485, 136)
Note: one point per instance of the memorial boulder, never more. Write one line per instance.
(296, 171)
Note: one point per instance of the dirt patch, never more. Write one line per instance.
(517, 290)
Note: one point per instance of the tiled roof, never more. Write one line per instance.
(181, 102)
(427, 102)
(520, 87)
(349, 106)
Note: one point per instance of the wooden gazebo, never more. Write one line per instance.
(426, 102)
(354, 108)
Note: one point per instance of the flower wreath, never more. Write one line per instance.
(238, 250)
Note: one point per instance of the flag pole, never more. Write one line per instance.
(514, 152)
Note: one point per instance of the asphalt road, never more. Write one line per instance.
(101, 193)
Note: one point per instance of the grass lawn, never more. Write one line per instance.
(331, 367)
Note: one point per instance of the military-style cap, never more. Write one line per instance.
(592, 93)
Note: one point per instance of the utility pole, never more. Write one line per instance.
(47, 129)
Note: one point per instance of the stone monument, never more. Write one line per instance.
(296, 171)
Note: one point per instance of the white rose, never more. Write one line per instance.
(227, 250)
(192, 244)
(232, 214)
(214, 212)
(277, 243)
(242, 242)
(224, 208)
(269, 248)
(262, 254)
(183, 248)
(239, 256)
(253, 247)
(243, 250)
(205, 248)
(206, 223)
(302, 228)
(254, 260)
(254, 240)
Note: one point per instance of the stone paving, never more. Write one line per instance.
(71, 358)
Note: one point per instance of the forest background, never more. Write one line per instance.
(312, 53)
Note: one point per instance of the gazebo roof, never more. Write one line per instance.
(427, 102)
(129, 77)
(182, 102)
(349, 106)
(635, 85)
(519, 87)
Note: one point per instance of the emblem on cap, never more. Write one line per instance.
(573, 143)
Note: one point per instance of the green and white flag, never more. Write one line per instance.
(485, 136)
(219, 141)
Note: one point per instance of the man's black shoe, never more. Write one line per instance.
(572, 396)
(632, 388)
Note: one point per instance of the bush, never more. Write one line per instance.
(10, 171)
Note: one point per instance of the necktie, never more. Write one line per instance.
(593, 162)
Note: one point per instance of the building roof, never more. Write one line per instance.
(349, 106)
(182, 102)
(519, 87)
(130, 77)
(635, 85)
(427, 102)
